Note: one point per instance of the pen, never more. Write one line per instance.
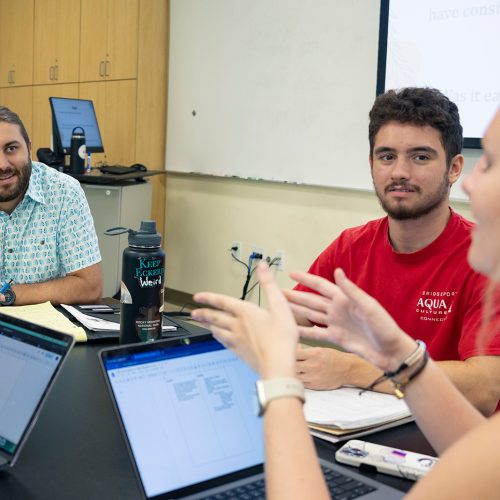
(5, 286)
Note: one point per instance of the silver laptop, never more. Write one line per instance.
(30, 359)
(187, 409)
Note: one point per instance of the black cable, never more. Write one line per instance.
(250, 271)
(232, 250)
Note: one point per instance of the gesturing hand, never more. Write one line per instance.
(353, 319)
(265, 338)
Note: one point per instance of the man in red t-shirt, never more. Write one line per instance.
(414, 261)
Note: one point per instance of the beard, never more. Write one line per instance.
(426, 206)
(23, 179)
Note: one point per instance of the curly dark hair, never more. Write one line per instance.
(419, 106)
(8, 116)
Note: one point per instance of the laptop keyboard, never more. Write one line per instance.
(255, 489)
(341, 487)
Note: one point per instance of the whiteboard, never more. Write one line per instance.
(272, 89)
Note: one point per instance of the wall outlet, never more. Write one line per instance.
(257, 249)
(280, 266)
(237, 252)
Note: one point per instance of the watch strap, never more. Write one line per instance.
(275, 388)
(10, 297)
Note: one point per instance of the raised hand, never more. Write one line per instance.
(265, 338)
(351, 318)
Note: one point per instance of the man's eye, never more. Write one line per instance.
(386, 157)
(421, 158)
(10, 149)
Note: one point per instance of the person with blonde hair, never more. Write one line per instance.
(267, 338)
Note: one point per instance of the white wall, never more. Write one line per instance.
(204, 215)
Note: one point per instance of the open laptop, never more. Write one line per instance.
(187, 409)
(30, 359)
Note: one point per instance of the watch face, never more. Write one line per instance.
(10, 297)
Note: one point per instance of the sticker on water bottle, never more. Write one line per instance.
(82, 151)
(149, 272)
(125, 296)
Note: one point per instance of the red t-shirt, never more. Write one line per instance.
(433, 294)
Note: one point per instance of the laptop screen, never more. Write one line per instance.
(29, 359)
(188, 412)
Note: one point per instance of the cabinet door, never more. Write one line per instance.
(104, 203)
(123, 29)
(57, 41)
(42, 116)
(115, 105)
(120, 120)
(94, 26)
(16, 54)
(108, 49)
(20, 100)
(96, 92)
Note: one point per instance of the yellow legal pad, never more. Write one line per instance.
(47, 315)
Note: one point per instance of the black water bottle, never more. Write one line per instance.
(142, 286)
(78, 151)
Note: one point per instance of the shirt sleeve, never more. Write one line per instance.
(480, 334)
(78, 246)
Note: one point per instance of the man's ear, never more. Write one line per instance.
(456, 167)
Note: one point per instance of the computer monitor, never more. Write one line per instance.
(68, 114)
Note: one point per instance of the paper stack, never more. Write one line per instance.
(344, 413)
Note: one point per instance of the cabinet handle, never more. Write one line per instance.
(106, 66)
(56, 72)
(13, 76)
(101, 68)
(50, 72)
(9, 76)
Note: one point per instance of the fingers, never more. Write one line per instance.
(307, 299)
(352, 292)
(308, 314)
(214, 318)
(224, 302)
(302, 353)
(223, 336)
(320, 285)
(317, 333)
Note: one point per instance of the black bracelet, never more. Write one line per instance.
(400, 386)
(407, 363)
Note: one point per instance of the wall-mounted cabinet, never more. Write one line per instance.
(111, 52)
(57, 41)
(115, 105)
(19, 99)
(16, 42)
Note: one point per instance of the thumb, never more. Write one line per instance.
(272, 292)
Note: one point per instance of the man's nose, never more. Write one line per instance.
(401, 169)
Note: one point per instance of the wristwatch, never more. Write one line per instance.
(10, 297)
(275, 388)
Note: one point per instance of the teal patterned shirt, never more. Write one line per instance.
(50, 233)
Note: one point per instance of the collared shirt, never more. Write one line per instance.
(50, 233)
